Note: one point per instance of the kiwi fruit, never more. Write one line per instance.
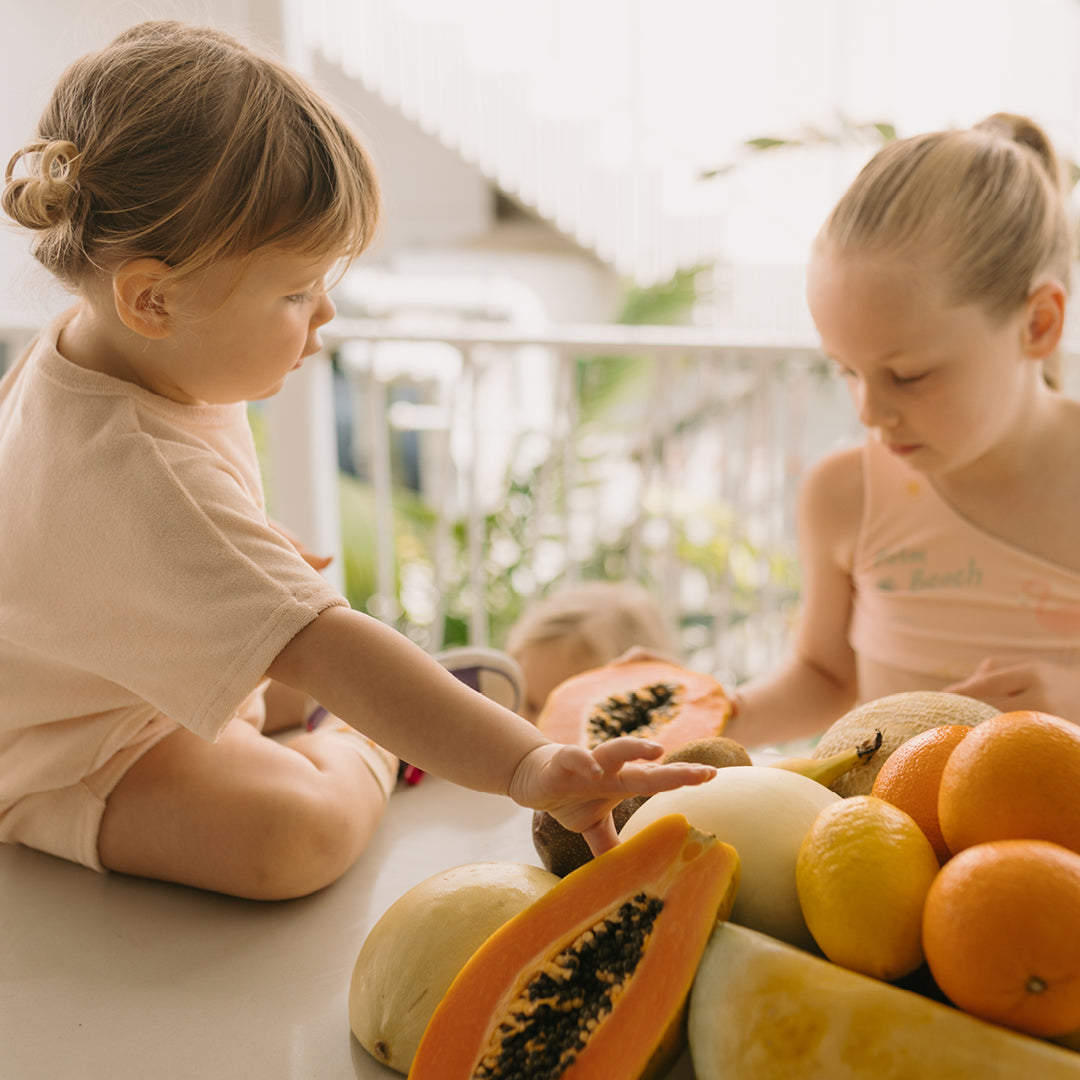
(717, 751)
(561, 850)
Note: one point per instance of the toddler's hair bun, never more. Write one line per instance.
(48, 196)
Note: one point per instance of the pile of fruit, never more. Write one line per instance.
(904, 904)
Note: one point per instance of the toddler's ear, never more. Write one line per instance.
(1045, 321)
(140, 298)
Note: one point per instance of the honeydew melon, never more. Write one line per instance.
(761, 1010)
(764, 814)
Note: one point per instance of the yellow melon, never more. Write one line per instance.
(761, 1010)
(416, 949)
(898, 717)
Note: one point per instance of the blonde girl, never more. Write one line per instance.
(198, 198)
(581, 627)
(942, 553)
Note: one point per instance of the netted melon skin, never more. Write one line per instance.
(898, 717)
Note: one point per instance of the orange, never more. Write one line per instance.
(1000, 937)
(1015, 776)
(911, 776)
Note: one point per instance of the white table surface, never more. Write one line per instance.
(107, 977)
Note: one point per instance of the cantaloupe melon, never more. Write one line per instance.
(898, 717)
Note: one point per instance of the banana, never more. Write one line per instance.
(826, 770)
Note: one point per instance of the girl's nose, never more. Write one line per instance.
(873, 406)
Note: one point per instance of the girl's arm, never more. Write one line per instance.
(382, 684)
(817, 683)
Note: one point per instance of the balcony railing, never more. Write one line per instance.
(460, 470)
(488, 464)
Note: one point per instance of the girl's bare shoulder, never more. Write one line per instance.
(831, 501)
(834, 483)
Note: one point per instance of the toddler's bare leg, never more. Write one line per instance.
(246, 815)
(285, 707)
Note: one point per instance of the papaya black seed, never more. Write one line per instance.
(554, 1017)
(634, 714)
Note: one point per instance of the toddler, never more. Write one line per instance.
(941, 554)
(199, 200)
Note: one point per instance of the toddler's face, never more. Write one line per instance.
(545, 664)
(239, 345)
(935, 381)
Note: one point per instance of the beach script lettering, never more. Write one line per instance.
(910, 563)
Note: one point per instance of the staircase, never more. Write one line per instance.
(543, 100)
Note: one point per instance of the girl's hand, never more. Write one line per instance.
(579, 787)
(1029, 684)
(637, 653)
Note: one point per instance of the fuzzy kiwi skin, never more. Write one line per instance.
(562, 851)
(718, 751)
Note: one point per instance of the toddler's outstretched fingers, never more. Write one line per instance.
(652, 779)
(602, 836)
(615, 753)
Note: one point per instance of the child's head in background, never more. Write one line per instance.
(177, 148)
(582, 627)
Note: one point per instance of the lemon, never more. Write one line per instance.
(862, 875)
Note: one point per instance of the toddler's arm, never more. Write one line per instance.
(316, 562)
(385, 686)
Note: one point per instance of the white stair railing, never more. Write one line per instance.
(500, 91)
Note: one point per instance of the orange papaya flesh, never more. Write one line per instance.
(652, 699)
(591, 981)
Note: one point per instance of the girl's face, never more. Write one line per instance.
(940, 385)
(237, 339)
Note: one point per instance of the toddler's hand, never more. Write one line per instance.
(579, 788)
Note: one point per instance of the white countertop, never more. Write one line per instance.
(107, 977)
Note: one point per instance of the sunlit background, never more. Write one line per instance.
(632, 129)
(497, 421)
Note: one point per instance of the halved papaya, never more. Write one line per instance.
(652, 699)
(591, 981)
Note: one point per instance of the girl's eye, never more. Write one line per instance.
(909, 380)
(299, 298)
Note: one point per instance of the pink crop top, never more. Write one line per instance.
(935, 594)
